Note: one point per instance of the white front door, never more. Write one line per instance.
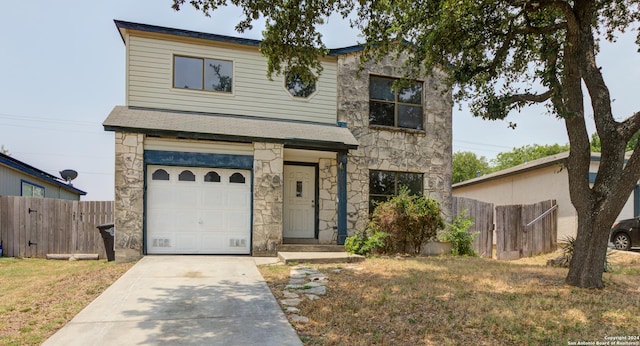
(299, 201)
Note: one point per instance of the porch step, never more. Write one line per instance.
(318, 257)
(310, 248)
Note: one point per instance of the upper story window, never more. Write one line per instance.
(31, 190)
(202, 74)
(400, 107)
(297, 87)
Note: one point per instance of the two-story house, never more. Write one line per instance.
(212, 157)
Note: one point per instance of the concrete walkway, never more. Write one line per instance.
(183, 300)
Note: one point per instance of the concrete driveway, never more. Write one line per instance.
(183, 300)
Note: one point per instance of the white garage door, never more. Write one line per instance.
(198, 210)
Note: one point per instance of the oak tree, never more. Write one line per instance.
(502, 55)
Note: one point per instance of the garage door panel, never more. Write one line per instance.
(214, 221)
(198, 217)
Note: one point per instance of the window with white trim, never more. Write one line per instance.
(28, 189)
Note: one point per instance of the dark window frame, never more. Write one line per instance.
(396, 185)
(203, 74)
(396, 104)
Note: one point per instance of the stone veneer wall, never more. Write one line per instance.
(427, 152)
(129, 187)
(268, 190)
(328, 194)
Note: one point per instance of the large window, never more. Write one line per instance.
(386, 184)
(401, 107)
(31, 190)
(202, 74)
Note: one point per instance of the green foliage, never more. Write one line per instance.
(518, 156)
(466, 165)
(596, 143)
(457, 233)
(364, 243)
(567, 255)
(409, 220)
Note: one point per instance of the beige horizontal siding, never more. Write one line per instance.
(192, 146)
(150, 83)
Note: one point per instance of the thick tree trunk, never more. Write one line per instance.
(590, 252)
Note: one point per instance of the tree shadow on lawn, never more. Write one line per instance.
(467, 301)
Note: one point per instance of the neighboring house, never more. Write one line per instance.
(536, 181)
(20, 179)
(212, 157)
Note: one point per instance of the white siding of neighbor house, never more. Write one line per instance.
(150, 82)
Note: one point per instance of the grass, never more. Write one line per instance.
(38, 297)
(457, 300)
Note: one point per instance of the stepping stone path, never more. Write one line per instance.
(304, 283)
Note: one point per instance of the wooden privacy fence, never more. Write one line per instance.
(482, 214)
(35, 227)
(526, 230)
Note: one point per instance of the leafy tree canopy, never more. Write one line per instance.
(596, 144)
(518, 156)
(467, 165)
(503, 55)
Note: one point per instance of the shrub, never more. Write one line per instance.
(364, 243)
(567, 255)
(409, 221)
(458, 234)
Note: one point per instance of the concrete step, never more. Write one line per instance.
(310, 248)
(318, 257)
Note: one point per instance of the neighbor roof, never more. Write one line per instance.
(225, 127)
(528, 166)
(37, 173)
(123, 26)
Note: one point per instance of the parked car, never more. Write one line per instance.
(625, 234)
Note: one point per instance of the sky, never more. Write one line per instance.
(62, 70)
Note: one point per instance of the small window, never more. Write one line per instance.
(392, 107)
(31, 190)
(298, 189)
(237, 178)
(202, 74)
(297, 87)
(212, 177)
(385, 184)
(186, 176)
(160, 174)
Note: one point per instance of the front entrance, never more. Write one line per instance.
(299, 202)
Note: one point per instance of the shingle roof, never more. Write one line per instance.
(230, 128)
(123, 25)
